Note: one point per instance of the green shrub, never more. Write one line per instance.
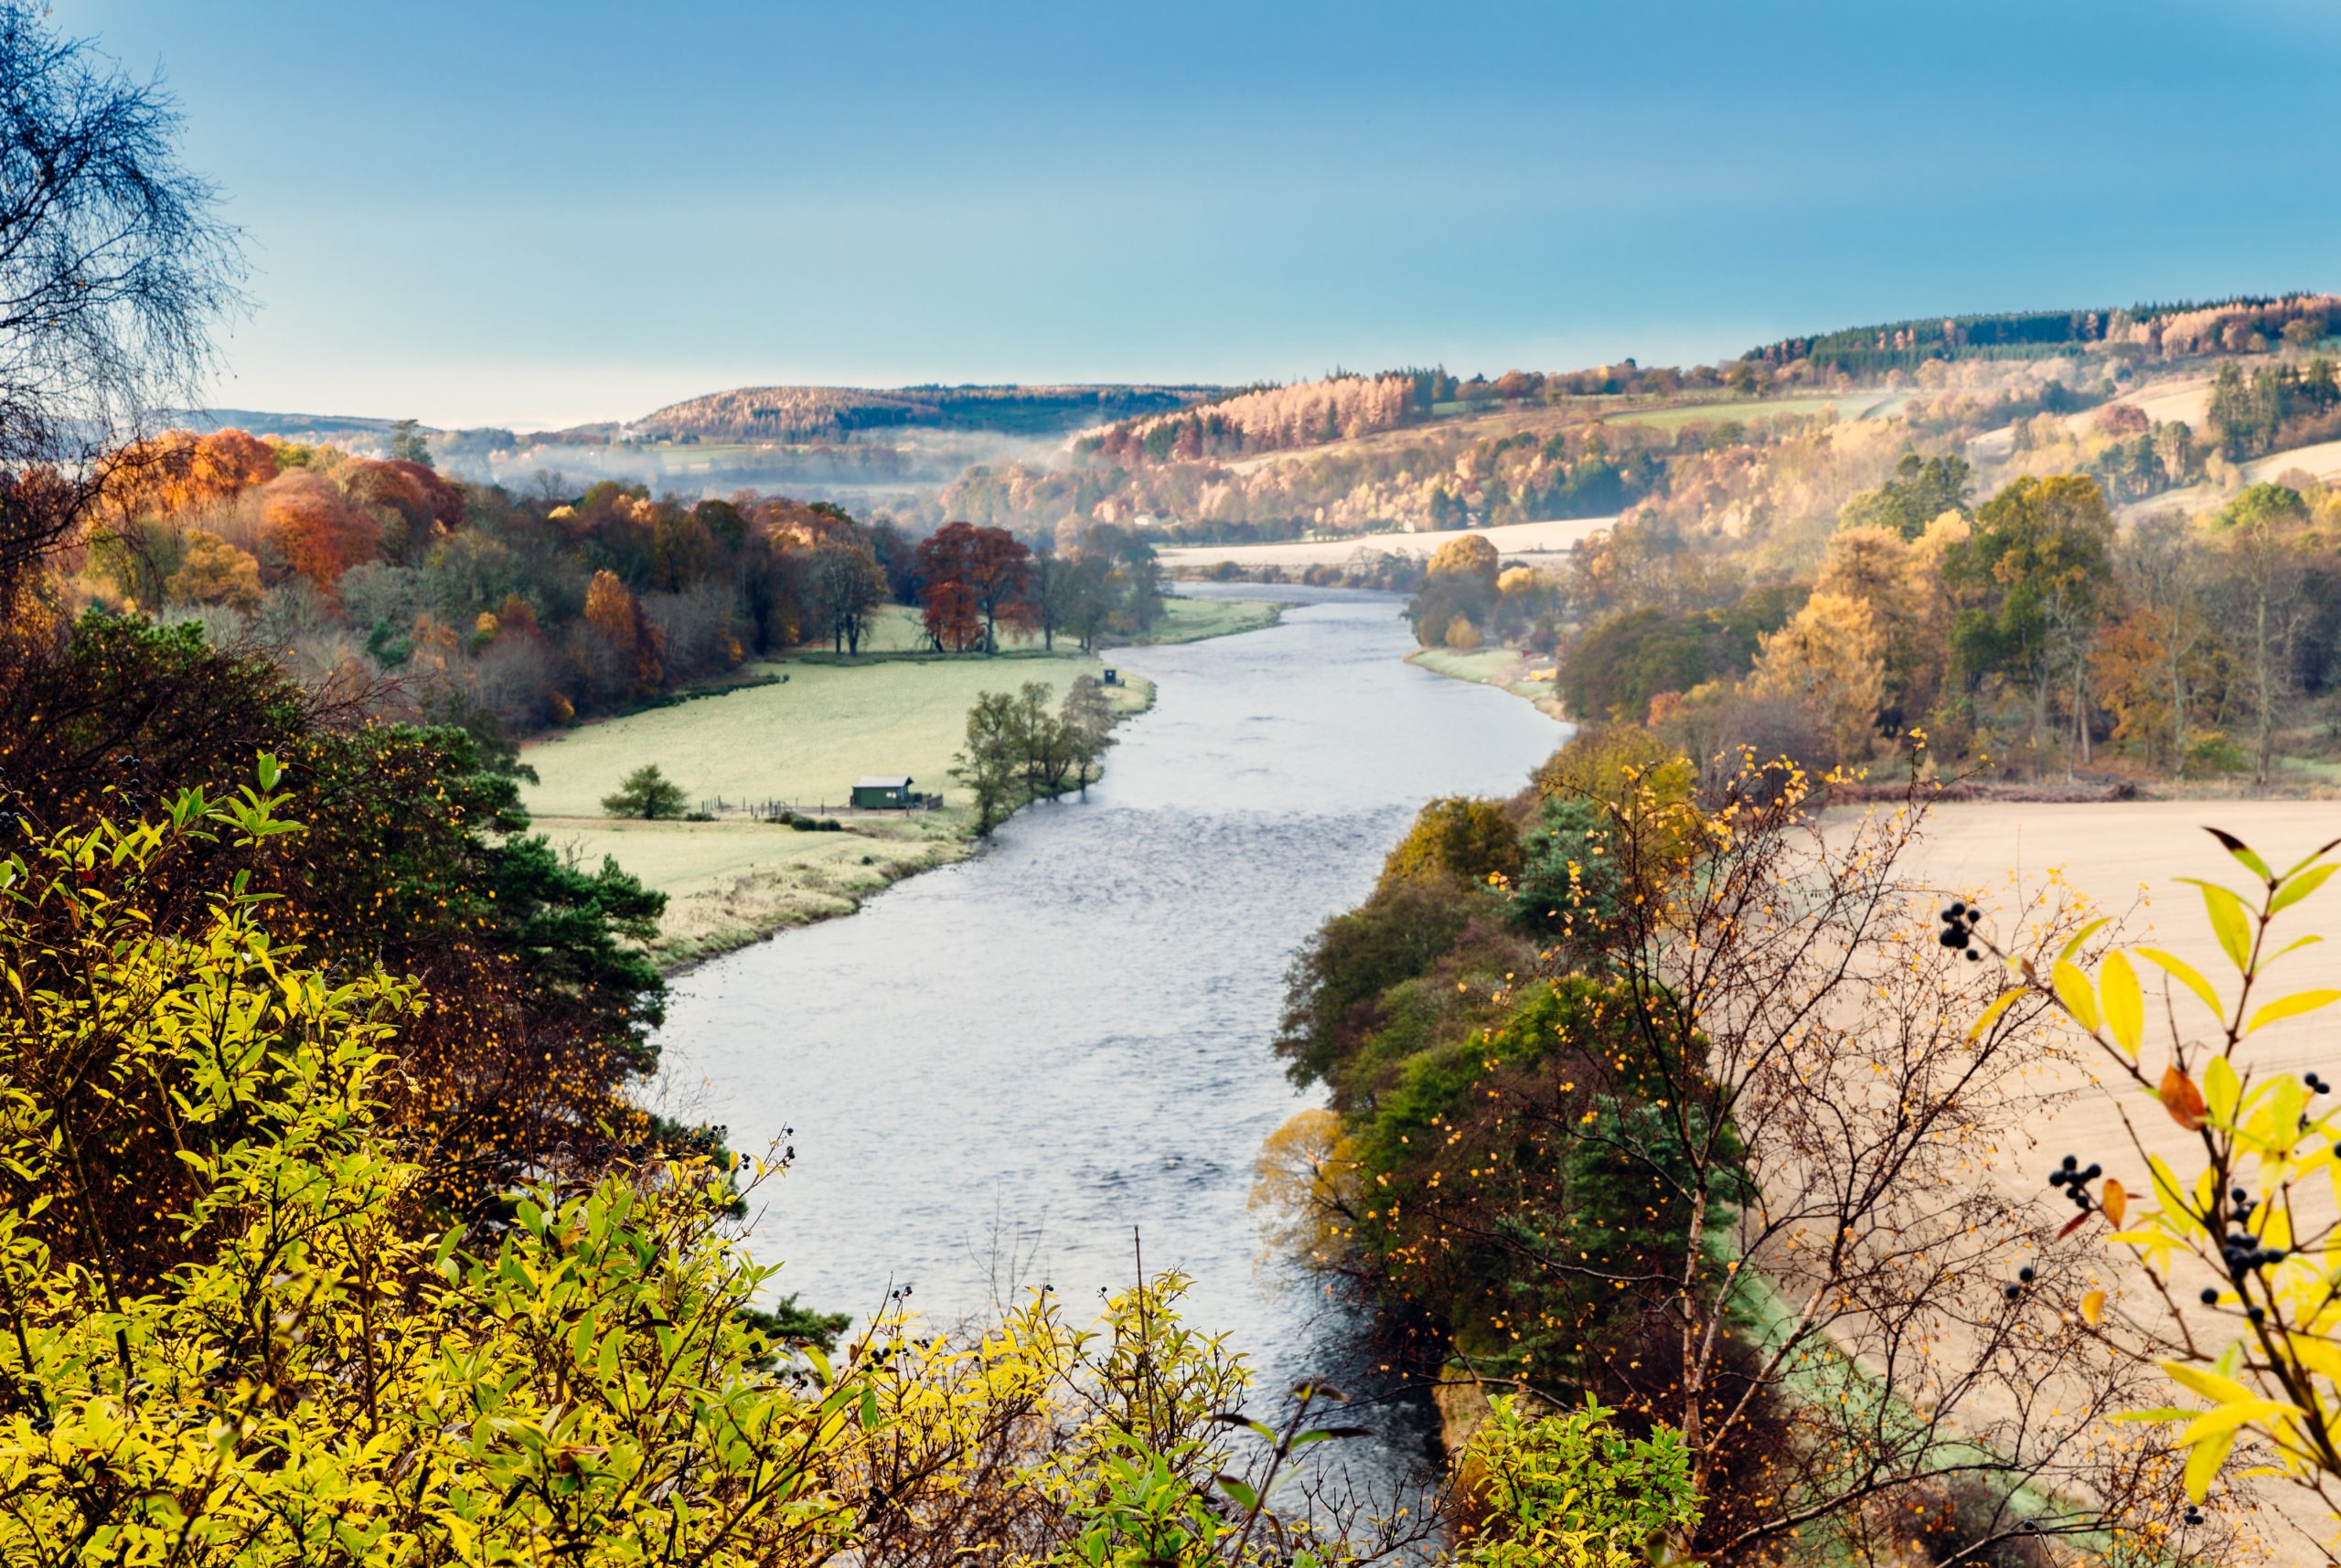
(1471, 840)
(1570, 1488)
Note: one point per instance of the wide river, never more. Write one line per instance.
(997, 1072)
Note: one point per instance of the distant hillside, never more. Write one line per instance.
(285, 426)
(2169, 331)
(798, 413)
(463, 452)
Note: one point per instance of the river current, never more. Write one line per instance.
(996, 1073)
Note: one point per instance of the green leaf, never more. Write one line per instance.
(2292, 1007)
(868, 1408)
(1239, 1490)
(2298, 887)
(2186, 975)
(2242, 852)
(2229, 920)
(2125, 1004)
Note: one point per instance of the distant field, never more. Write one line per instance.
(894, 629)
(1545, 419)
(2322, 461)
(806, 740)
(1853, 406)
(732, 881)
(1192, 620)
(897, 628)
(1510, 538)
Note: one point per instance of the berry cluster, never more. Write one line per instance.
(2192, 1515)
(2242, 1251)
(2071, 1174)
(1959, 929)
(2024, 1276)
(2316, 1085)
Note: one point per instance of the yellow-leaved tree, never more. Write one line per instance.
(2235, 1253)
(331, 1373)
(1830, 656)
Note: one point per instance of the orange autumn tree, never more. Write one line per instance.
(305, 517)
(179, 470)
(415, 503)
(614, 613)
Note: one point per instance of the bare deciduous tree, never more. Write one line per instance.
(114, 267)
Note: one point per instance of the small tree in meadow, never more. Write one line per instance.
(647, 794)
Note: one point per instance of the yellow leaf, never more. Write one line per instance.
(2230, 1417)
(2231, 921)
(2221, 1089)
(2211, 1385)
(2083, 934)
(2317, 1354)
(2093, 1304)
(2172, 1197)
(2202, 1462)
(2125, 1004)
(2299, 887)
(1993, 1011)
(2186, 975)
(2073, 990)
(2292, 1006)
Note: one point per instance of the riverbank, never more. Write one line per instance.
(1506, 669)
(800, 732)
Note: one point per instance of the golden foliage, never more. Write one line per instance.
(1470, 555)
(215, 572)
(1832, 657)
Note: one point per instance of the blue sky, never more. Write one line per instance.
(535, 213)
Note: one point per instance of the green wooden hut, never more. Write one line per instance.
(882, 792)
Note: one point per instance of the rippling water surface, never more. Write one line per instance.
(996, 1071)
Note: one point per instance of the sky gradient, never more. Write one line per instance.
(533, 214)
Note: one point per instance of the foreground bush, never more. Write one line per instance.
(331, 1374)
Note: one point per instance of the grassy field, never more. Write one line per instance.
(1507, 669)
(1192, 620)
(896, 629)
(733, 882)
(804, 741)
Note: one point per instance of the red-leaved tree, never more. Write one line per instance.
(975, 579)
